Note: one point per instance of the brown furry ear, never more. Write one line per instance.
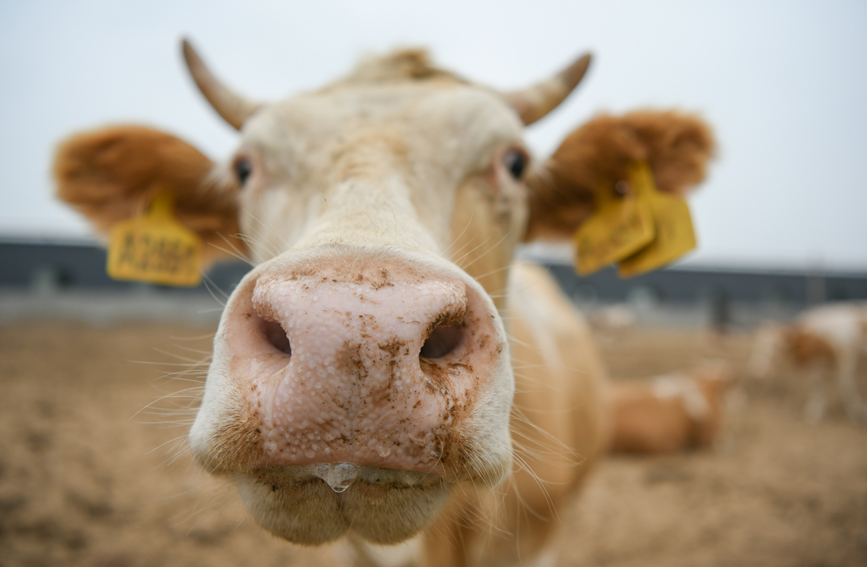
(597, 155)
(111, 174)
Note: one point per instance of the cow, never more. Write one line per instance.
(825, 343)
(671, 412)
(386, 372)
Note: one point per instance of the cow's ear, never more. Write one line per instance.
(112, 174)
(598, 154)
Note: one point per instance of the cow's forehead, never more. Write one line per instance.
(435, 119)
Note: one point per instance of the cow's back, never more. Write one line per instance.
(842, 324)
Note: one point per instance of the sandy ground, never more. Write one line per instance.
(89, 477)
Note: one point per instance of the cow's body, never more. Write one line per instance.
(559, 426)
(671, 412)
(825, 343)
(384, 370)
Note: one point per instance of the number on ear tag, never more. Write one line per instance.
(619, 227)
(155, 248)
(674, 232)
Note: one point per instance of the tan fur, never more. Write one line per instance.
(559, 426)
(596, 156)
(485, 229)
(403, 156)
(112, 174)
(401, 65)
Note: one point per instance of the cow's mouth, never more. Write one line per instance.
(340, 476)
(315, 504)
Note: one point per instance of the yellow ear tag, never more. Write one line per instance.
(674, 233)
(619, 227)
(155, 248)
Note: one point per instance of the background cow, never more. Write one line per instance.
(671, 412)
(825, 345)
(385, 369)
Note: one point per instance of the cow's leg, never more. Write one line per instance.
(365, 554)
(847, 365)
(817, 402)
(446, 542)
(493, 528)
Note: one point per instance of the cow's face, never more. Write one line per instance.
(362, 369)
(381, 166)
(357, 345)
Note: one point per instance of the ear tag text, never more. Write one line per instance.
(155, 248)
(619, 227)
(673, 226)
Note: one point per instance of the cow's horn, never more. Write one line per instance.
(234, 108)
(535, 102)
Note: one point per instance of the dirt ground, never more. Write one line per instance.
(89, 477)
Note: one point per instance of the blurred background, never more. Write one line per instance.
(780, 222)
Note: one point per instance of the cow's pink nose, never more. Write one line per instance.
(428, 318)
(443, 338)
(372, 366)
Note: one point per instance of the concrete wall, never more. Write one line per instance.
(672, 296)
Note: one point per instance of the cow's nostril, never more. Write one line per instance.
(276, 336)
(441, 342)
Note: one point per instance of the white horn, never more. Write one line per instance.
(535, 102)
(234, 108)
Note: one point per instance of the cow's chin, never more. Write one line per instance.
(382, 506)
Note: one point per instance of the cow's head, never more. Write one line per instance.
(362, 368)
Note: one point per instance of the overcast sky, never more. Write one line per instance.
(783, 82)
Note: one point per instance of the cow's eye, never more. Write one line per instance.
(243, 168)
(516, 162)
